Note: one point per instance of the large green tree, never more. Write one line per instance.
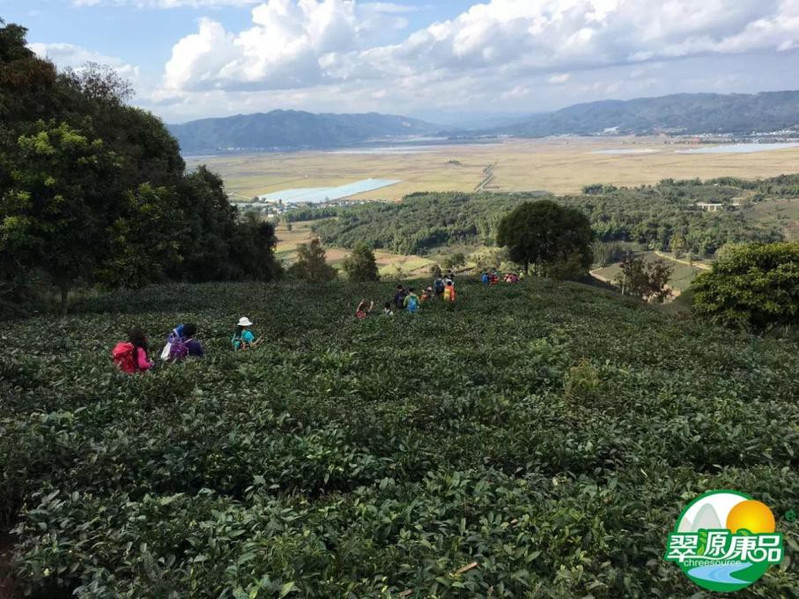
(361, 264)
(753, 287)
(311, 265)
(545, 234)
(55, 212)
(143, 242)
(93, 190)
(253, 250)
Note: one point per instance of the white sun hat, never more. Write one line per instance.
(244, 322)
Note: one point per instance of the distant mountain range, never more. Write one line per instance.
(294, 130)
(284, 130)
(680, 113)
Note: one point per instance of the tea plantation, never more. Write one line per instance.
(549, 435)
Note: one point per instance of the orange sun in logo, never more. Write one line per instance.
(751, 515)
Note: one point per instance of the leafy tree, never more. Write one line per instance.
(456, 260)
(568, 268)
(95, 190)
(361, 264)
(677, 245)
(55, 214)
(644, 279)
(544, 233)
(607, 253)
(753, 287)
(208, 231)
(144, 243)
(253, 249)
(312, 263)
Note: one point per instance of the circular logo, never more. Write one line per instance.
(725, 541)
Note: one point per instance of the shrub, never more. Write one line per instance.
(361, 266)
(753, 287)
(647, 280)
(311, 265)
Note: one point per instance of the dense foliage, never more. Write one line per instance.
(361, 265)
(311, 265)
(548, 236)
(550, 436)
(652, 216)
(94, 191)
(644, 279)
(753, 287)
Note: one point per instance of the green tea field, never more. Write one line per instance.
(534, 441)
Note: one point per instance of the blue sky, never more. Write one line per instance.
(197, 58)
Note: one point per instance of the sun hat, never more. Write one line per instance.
(244, 322)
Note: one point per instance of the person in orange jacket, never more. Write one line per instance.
(449, 293)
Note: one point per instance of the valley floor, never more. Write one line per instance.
(560, 166)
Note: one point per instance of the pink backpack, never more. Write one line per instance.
(125, 358)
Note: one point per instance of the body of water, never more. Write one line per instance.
(740, 148)
(317, 195)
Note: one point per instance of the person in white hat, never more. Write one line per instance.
(243, 338)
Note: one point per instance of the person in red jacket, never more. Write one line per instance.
(131, 356)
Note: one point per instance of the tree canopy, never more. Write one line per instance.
(546, 235)
(361, 264)
(753, 287)
(95, 191)
(656, 217)
(311, 265)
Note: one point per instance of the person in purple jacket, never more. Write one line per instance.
(195, 347)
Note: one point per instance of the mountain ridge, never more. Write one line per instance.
(701, 113)
(676, 114)
(294, 130)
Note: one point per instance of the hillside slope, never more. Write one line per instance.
(292, 130)
(679, 113)
(551, 435)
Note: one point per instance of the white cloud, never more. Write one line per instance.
(300, 43)
(334, 55)
(288, 46)
(390, 7)
(165, 4)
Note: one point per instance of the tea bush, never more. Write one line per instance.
(551, 435)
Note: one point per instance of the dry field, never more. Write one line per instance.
(389, 265)
(557, 165)
(681, 278)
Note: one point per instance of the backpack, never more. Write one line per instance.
(449, 294)
(399, 299)
(123, 356)
(439, 286)
(175, 348)
(413, 304)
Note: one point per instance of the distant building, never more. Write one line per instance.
(710, 207)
